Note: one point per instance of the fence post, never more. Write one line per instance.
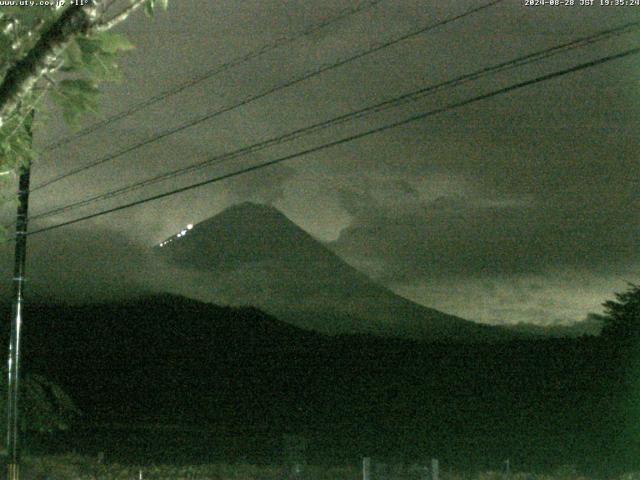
(507, 468)
(435, 469)
(295, 452)
(366, 468)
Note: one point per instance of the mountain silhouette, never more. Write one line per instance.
(252, 254)
(246, 377)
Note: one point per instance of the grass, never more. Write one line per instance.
(76, 467)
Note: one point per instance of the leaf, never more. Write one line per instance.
(6, 53)
(45, 406)
(102, 67)
(72, 57)
(76, 97)
(29, 16)
(79, 86)
(88, 46)
(113, 43)
(99, 54)
(149, 7)
(15, 144)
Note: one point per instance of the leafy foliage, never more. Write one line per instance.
(19, 29)
(622, 316)
(44, 406)
(73, 73)
(92, 60)
(95, 57)
(76, 97)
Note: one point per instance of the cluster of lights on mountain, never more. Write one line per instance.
(182, 233)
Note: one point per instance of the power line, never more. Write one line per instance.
(212, 73)
(412, 96)
(263, 94)
(421, 116)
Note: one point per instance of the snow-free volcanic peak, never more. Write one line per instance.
(252, 254)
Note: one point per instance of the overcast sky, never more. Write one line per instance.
(522, 207)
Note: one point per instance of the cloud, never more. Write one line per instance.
(79, 264)
(555, 298)
(540, 180)
(265, 186)
(463, 236)
(492, 257)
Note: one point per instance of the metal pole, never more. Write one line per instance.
(13, 363)
(366, 468)
(435, 469)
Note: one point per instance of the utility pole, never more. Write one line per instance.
(13, 363)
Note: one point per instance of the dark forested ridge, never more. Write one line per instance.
(167, 360)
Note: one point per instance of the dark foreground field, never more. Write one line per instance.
(87, 468)
(233, 385)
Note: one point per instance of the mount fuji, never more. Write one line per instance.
(252, 254)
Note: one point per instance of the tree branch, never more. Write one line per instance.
(22, 77)
(118, 18)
